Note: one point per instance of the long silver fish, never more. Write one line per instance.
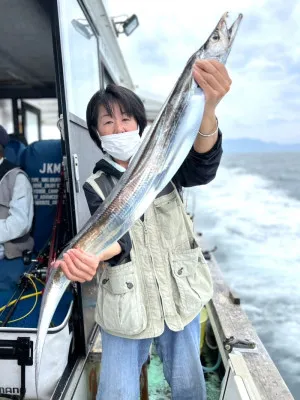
(165, 147)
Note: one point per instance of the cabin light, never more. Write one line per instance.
(83, 29)
(127, 26)
(130, 25)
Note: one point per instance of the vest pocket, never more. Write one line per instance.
(120, 307)
(170, 222)
(192, 283)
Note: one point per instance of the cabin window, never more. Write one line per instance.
(6, 115)
(31, 118)
(48, 119)
(80, 57)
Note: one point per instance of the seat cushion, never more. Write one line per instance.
(42, 163)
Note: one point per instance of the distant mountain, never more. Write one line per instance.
(252, 145)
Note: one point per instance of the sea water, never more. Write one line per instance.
(251, 212)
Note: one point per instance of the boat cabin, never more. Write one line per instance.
(55, 55)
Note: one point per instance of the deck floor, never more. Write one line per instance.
(157, 385)
(159, 388)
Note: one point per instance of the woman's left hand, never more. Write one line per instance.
(213, 79)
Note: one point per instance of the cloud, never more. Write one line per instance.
(263, 64)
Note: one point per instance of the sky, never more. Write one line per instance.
(264, 63)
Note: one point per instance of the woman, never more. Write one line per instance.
(157, 280)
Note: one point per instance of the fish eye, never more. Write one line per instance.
(215, 36)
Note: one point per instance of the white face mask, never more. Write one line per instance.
(121, 146)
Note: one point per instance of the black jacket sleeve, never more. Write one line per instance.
(199, 168)
(94, 202)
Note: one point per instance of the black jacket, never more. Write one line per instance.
(197, 169)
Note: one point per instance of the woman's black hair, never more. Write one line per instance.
(129, 103)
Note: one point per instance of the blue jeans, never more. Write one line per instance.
(122, 361)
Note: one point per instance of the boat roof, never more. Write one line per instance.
(27, 64)
(27, 67)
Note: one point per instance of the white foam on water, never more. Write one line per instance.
(256, 228)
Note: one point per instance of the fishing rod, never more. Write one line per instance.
(57, 222)
(24, 285)
(7, 304)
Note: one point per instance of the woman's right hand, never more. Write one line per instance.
(78, 265)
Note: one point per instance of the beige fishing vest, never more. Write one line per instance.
(167, 279)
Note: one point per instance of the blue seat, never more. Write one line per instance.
(13, 151)
(42, 163)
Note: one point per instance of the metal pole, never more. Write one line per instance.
(15, 116)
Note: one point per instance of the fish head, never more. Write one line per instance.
(219, 43)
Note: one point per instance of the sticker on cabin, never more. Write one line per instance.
(46, 188)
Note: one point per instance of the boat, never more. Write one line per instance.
(53, 60)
